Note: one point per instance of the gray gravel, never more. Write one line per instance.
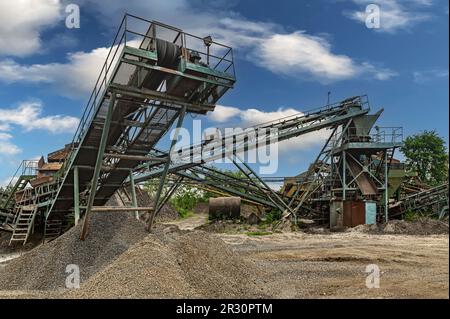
(175, 264)
(43, 268)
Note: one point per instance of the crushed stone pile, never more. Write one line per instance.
(43, 268)
(119, 259)
(421, 227)
(424, 226)
(174, 264)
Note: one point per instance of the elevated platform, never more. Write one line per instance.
(141, 91)
(153, 75)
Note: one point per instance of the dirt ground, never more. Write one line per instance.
(330, 264)
(333, 265)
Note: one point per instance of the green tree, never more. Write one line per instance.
(427, 155)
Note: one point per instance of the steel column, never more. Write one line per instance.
(166, 169)
(98, 166)
(280, 207)
(133, 194)
(344, 171)
(76, 195)
(386, 186)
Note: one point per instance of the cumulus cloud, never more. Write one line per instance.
(75, 78)
(222, 113)
(7, 148)
(304, 54)
(22, 23)
(28, 116)
(395, 15)
(297, 54)
(300, 54)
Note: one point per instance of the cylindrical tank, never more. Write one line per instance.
(224, 207)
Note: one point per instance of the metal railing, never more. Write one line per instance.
(132, 30)
(376, 134)
(26, 167)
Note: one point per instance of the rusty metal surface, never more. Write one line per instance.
(354, 213)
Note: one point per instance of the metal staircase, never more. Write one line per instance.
(24, 223)
(53, 229)
(141, 91)
(24, 173)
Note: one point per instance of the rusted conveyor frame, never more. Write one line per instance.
(424, 199)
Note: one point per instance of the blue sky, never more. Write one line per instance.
(288, 55)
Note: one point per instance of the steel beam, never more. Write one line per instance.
(281, 205)
(386, 187)
(98, 166)
(133, 194)
(166, 169)
(76, 195)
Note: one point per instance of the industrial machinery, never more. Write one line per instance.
(153, 76)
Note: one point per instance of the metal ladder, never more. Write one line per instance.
(23, 225)
(53, 229)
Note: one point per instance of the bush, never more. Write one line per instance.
(273, 216)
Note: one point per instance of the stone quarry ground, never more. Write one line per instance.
(190, 258)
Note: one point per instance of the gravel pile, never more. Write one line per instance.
(424, 226)
(43, 268)
(175, 264)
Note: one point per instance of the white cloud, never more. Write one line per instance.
(22, 22)
(426, 76)
(311, 57)
(223, 113)
(295, 54)
(6, 147)
(75, 79)
(299, 53)
(395, 15)
(28, 115)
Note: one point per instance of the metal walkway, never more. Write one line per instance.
(153, 75)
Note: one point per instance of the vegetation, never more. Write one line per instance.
(185, 198)
(427, 155)
(273, 216)
(258, 233)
